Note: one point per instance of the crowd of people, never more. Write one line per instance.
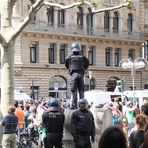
(129, 122)
(128, 130)
(133, 123)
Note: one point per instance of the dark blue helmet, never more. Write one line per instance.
(83, 101)
(75, 47)
(53, 102)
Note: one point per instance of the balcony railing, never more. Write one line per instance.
(96, 32)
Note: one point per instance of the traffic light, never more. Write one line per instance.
(121, 85)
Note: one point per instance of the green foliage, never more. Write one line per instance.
(130, 1)
(95, 2)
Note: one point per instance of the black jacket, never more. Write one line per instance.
(136, 139)
(77, 63)
(54, 121)
(82, 123)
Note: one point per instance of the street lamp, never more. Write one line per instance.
(138, 63)
(90, 74)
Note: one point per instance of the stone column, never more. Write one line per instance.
(84, 24)
(55, 17)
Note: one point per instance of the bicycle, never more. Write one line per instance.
(27, 137)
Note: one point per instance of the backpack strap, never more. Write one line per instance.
(142, 145)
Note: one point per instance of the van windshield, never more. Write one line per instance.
(136, 100)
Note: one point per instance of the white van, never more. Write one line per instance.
(141, 96)
(101, 97)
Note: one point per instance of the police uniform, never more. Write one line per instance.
(77, 64)
(53, 121)
(82, 128)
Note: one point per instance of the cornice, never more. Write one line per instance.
(94, 39)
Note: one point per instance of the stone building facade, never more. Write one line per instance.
(106, 38)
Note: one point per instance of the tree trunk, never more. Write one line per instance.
(7, 76)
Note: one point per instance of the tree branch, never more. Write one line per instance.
(39, 3)
(111, 8)
(31, 13)
(2, 39)
(89, 4)
(63, 6)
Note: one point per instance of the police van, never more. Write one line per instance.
(97, 97)
(138, 96)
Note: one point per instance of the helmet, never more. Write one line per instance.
(83, 104)
(83, 101)
(53, 102)
(75, 47)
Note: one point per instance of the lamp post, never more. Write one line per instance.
(90, 78)
(56, 87)
(138, 63)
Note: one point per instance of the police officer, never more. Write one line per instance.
(76, 63)
(53, 120)
(82, 126)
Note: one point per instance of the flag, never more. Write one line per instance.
(32, 91)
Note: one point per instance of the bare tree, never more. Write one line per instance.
(8, 35)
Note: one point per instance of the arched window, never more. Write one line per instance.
(130, 22)
(116, 22)
(61, 18)
(58, 87)
(117, 56)
(80, 18)
(111, 83)
(89, 19)
(106, 21)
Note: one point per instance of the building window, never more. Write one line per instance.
(145, 86)
(145, 50)
(131, 54)
(62, 53)
(117, 56)
(83, 49)
(58, 87)
(61, 18)
(50, 16)
(80, 18)
(91, 55)
(108, 56)
(115, 22)
(89, 19)
(106, 21)
(130, 23)
(33, 52)
(51, 53)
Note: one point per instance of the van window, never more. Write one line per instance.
(136, 100)
(145, 99)
(125, 99)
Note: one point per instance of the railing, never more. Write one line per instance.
(86, 31)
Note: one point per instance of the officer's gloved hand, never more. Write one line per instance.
(92, 139)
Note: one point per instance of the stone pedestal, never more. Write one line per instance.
(103, 118)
